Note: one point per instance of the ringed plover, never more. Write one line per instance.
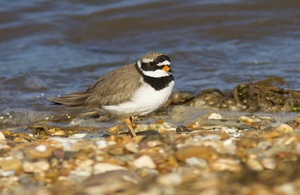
(135, 89)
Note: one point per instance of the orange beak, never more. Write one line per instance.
(166, 68)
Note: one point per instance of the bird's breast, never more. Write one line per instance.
(144, 100)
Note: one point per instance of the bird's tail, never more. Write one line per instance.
(73, 100)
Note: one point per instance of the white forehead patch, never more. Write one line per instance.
(166, 62)
(147, 60)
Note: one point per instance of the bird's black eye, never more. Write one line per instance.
(149, 66)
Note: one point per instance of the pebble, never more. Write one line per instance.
(182, 129)
(228, 146)
(284, 128)
(115, 176)
(84, 163)
(83, 145)
(7, 173)
(194, 161)
(104, 167)
(206, 160)
(66, 143)
(225, 164)
(215, 116)
(254, 164)
(101, 144)
(170, 179)
(207, 153)
(251, 121)
(2, 137)
(132, 147)
(154, 143)
(11, 164)
(286, 188)
(144, 162)
(268, 163)
(38, 152)
(234, 132)
(20, 140)
(34, 167)
(41, 148)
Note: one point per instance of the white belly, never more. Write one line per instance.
(144, 100)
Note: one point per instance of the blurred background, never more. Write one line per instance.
(50, 48)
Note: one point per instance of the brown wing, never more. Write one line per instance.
(114, 87)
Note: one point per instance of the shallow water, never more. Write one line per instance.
(49, 48)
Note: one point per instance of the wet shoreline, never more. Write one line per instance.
(186, 147)
(228, 153)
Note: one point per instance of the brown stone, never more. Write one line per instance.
(11, 164)
(207, 153)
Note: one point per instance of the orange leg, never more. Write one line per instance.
(128, 121)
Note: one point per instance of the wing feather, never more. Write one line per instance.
(114, 87)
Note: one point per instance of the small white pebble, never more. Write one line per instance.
(41, 148)
(101, 144)
(211, 137)
(286, 188)
(104, 167)
(2, 137)
(7, 173)
(268, 163)
(228, 142)
(214, 116)
(194, 161)
(144, 162)
(170, 179)
(78, 136)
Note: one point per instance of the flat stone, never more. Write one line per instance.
(104, 167)
(207, 153)
(284, 128)
(144, 162)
